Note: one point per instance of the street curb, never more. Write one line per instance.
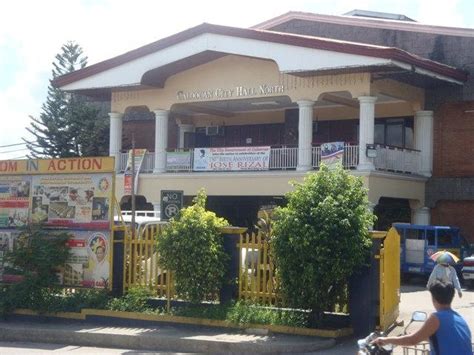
(145, 341)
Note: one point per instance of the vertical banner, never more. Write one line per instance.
(127, 178)
(332, 154)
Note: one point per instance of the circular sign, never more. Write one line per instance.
(171, 210)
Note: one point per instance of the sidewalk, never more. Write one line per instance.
(164, 337)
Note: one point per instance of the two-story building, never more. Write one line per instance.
(256, 104)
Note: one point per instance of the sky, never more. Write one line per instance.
(32, 33)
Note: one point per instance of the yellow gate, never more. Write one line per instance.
(389, 279)
(141, 267)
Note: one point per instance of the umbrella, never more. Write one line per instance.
(444, 257)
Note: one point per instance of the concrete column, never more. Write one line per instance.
(424, 140)
(161, 140)
(366, 131)
(421, 216)
(184, 128)
(305, 135)
(115, 141)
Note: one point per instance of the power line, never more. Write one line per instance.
(12, 151)
(11, 145)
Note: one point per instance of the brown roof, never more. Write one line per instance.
(365, 22)
(267, 36)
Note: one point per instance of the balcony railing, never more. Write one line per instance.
(397, 160)
(281, 158)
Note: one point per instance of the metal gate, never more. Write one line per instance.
(389, 279)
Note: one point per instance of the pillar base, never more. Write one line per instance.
(366, 167)
(304, 168)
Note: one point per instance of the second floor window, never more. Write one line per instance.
(397, 132)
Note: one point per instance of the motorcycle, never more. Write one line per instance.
(367, 346)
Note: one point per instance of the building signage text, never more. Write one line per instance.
(228, 93)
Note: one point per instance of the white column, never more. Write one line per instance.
(184, 128)
(305, 135)
(161, 140)
(421, 216)
(366, 131)
(424, 140)
(371, 209)
(115, 135)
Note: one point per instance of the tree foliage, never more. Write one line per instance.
(69, 124)
(321, 238)
(37, 257)
(192, 247)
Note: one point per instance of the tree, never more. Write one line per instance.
(192, 248)
(321, 238)
(69, 124)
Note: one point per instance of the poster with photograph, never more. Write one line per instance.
(332, 154)
(14, 200)
(88, 264)
(8, 242)
(73, 201)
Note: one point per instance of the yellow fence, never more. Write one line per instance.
(141, 267)
(257, 281)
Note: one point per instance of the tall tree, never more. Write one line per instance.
(69, 124)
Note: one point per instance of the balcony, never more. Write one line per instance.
(390, 159)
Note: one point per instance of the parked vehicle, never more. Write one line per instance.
(419, 242)
(468, 271)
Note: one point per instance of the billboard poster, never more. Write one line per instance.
(332, 154)
(73, 201)
(8, 242)
(89, 260)
(127, 177)
(14, 200)
(231, 159)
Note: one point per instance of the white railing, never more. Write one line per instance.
(350, 159)
(283, 158)
(147, 165)
(396, 159)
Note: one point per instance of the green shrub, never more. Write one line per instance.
(245, 313)
(192, 247)
(135, 300)
(321, 238)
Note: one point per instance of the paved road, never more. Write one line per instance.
(7, 348)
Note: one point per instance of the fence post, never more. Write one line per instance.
(117, 263)
(231, 237)
(364, 287)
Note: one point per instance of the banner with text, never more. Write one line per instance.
(332, 154)
(231, 158)
(127, 177)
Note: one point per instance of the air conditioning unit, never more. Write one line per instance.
(214, 131)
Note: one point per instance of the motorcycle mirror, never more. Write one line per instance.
(418, 316)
